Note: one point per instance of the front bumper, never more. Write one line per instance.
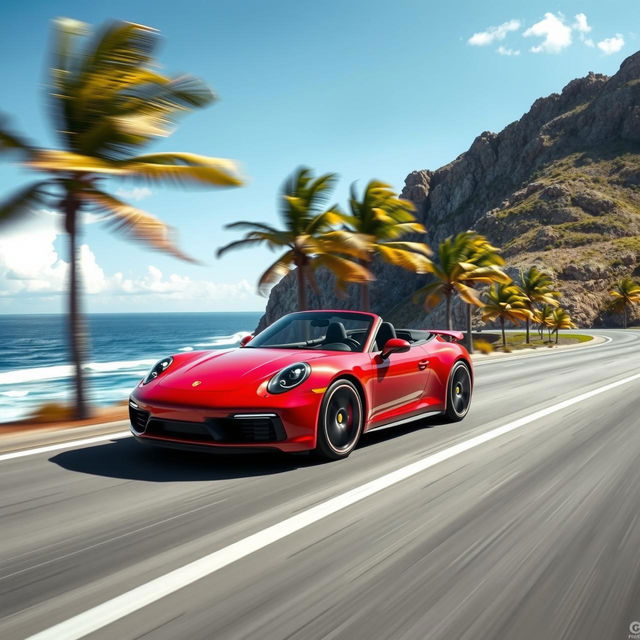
(287, 427)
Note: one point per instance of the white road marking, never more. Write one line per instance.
(112, 610)
(68, 444)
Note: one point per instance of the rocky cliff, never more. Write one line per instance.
(559, 188)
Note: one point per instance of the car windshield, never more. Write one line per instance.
(327, 331)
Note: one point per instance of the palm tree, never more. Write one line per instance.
(505, 302)
(308, 236)
(625, 294)
(384, 217)
(543, 317)
(108, 101)
(485, 267)
(560, 319)
(538, 288)
(455, 273)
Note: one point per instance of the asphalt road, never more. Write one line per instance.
(532, 534)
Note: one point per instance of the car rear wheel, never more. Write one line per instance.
(340, 421)
(458, 392)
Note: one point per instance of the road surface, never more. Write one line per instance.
(523, 521)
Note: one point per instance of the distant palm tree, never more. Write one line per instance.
(505, 302)
(108, 101)
(308, 237)
(543, 317)
(538, 288)
(561, 319)
(625, 294)
(485, 267)
(455, 274)
(383, 217)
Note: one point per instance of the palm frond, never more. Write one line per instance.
(184, 168)
(344, 270)
(22, 202)
(399, 257)
(275, 272)
(135, 223)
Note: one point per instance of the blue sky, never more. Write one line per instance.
(364, 89)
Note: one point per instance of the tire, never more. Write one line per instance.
(459, 391)
(340, 421)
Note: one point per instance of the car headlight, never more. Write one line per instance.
(289, 377)
(157, 369)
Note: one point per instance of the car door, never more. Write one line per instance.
(398, 384)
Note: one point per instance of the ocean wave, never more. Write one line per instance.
(222, 341)
(57, 372)
(15, 393)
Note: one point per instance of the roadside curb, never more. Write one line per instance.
(596, 341)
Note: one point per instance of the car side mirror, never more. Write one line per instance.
(245, 340)
(394, 345)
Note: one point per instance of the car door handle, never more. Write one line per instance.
(423, 364)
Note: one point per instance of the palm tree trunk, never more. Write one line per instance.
(504, 335)
(365, 301)
(449, 316)
(624, 317)
(557, 335)
(77, 337)
(527, 326)
(469, 335)
(302, 291)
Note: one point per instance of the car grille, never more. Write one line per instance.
(138, 419)
(220, 430)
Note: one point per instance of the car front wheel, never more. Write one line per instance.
(340, 421)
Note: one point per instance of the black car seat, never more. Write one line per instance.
(336, 337)
(385, 332)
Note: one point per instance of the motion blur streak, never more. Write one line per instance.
(135, 599)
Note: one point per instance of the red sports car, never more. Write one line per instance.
(313, 380)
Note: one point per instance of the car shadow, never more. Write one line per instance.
(126, 459)
(385, 435)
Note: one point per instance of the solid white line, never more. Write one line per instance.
(67, 444)
(108, 612)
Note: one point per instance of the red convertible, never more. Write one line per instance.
(312, 381)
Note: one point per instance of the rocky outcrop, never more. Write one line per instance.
(559, 188)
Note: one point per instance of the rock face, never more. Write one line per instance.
(559, 188)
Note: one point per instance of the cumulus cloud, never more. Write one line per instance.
(554, 30)
(30, 267)
(135, 193)
(505, 51)
(611, 45)
(493, 34)
(581, 23)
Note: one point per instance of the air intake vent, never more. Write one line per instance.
(138, 419)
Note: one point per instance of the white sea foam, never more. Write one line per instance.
(39, 374)
(222, 341)
(15, 394)
(186, 349)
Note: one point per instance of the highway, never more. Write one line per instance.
(522, 521)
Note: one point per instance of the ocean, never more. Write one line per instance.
(34, 361)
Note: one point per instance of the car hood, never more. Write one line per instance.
(227, 370)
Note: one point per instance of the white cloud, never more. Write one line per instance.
(505, 51)
(611, 45)
(581, 23)
(556, 34)
(493, 34)
(30, 267)
(136, 193)
(589, 42)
